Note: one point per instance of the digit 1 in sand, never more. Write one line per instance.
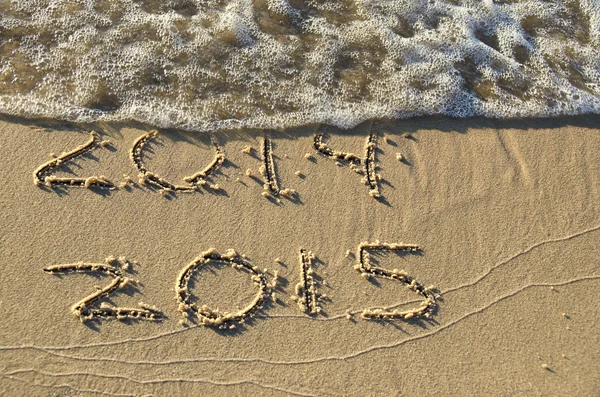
(306, 290)
(269, 172)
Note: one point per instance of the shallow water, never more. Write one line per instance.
(215, 64)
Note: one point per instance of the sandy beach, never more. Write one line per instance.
(506, 215)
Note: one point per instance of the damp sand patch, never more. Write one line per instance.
(479, 253)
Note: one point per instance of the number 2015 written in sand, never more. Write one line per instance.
(95, 307)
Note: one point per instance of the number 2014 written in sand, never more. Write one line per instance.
(96, 307)
(364, 165)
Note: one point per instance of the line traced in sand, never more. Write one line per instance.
(158, 381)
(53, 351)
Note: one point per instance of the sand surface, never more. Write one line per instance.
(507, 214)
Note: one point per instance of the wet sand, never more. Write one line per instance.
(506, 215)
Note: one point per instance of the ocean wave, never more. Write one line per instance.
(215, 64)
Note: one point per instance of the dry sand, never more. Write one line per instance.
(507, 214)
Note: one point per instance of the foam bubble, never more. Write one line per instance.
(206, 65)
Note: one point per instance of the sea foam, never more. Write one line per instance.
(213, 64)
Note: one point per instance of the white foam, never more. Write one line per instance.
(206, 65)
